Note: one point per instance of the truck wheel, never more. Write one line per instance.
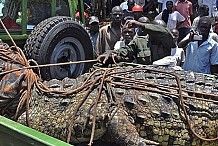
(61, 39)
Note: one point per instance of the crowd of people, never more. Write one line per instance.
(177, 33)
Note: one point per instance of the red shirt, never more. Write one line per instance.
(184, 8)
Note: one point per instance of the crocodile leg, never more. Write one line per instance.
(122, 131)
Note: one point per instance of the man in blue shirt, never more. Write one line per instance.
(201, 53)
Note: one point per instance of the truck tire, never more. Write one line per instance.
(56, 40)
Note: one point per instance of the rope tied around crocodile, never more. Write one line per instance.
(13, 85)
(18, 79)
(180, 95)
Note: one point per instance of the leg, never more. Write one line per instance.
(99, 8)
(123, 132)
(104, 9)
(182, 33)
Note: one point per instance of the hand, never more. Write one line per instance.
(191, 35)
(103, 58)
(133, 24)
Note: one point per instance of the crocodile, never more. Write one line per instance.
(129, 106)
(123, 105)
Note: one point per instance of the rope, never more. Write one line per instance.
(186, 115)
(33, 79)
(180, 98)
(95, 106)
(48, 65)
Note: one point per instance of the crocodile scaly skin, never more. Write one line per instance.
(136, 106)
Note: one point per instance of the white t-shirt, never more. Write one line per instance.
(173, 19)
(119, 44)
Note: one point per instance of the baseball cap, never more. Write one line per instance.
(137, 8)
(93, 19)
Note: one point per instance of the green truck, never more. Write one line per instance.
(15, 134)
(48, 33)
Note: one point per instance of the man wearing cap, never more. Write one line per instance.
(111, 33)
(94, 31)
(137, 11)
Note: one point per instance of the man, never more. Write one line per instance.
(170, 17)
(127, 36)
(111, 33)
(127, 9)
(201, 55)
(94, 31)
(203, 10)
(162, 4)
(127, 5)
(184, 7)
(177, 52)
(177, 56)
(139, 50)
(142, 19)
(111, 4)
(137, 10)
(150, 7)
(211, 4)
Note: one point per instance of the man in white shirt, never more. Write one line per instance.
(170, 17)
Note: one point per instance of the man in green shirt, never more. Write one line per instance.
(142, 50)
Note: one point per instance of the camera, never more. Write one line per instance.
(197, 37)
